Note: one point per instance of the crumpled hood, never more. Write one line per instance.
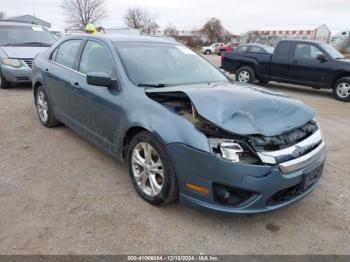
(22, 51)
(245, 109)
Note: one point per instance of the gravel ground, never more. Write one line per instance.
(61, 195)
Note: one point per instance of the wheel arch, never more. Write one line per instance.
(338, 76)
(36, 85)
(254, 66)
(132, 132)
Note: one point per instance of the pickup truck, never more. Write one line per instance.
(300, 62)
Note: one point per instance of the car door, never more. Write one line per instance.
(306, 69)
(280, 61)
(97, 109)
(59, 74)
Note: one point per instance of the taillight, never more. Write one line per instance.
(222, 58)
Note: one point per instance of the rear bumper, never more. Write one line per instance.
(16, 75)
(270, 188)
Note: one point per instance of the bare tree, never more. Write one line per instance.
(2, 14)
(213, 29)
(82, 12)
(135, 18)
(171, 31)
(138, 18)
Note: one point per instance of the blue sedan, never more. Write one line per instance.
(184, 129)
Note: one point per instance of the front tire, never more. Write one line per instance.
(44, 109)
(341, 89)
(207, 52)
(245, 75)
(4, 84)
(151, 169)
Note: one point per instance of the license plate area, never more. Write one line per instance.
(312, 177)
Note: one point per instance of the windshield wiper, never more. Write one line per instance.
(28, 44)
(155, 85)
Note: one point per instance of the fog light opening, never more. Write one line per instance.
(231, 196)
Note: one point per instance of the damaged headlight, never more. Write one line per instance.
(12, 62)
(232, 150)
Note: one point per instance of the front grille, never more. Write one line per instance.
(290, 193)
(28, 61)
(285, 195)
(273, 143)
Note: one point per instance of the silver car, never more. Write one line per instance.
(19, 44)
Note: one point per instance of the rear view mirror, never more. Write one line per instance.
(321, 58)
(102, 79)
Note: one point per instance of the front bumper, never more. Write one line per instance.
(269, 187)
(16, 75)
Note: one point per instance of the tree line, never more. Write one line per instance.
(82, 12)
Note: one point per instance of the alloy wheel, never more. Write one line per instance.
(244, 76)
(343, 90)
(147, 169)
(42, 106)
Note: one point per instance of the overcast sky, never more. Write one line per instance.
(236, 16)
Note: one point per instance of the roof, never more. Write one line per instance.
(290, 27)
(253, 44)
(14, 23)
(122, 38)
(13, 18)
(301, 41)
(135, 38)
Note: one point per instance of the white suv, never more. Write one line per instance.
(212, 49)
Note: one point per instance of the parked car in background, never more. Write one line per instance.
(308, 63)
(19, 44)
(228, 48)
(212, 49)
(182, 127)
(56, 33)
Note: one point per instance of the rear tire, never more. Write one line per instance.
(207, 52)
(151, 169)
(245, 74)
(341, 89)
(4, 84)
(45, 109)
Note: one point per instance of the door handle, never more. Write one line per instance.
(46, 70)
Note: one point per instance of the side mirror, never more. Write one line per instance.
(321, 58)
(102, 79)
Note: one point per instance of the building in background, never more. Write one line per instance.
(341, 41)
(272, 34)
(28, 19)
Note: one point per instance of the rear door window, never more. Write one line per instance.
(66, 53)
(284, 49)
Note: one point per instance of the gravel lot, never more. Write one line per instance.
(61, 195)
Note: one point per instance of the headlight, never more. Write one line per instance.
(12, 62)
(232, 150)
